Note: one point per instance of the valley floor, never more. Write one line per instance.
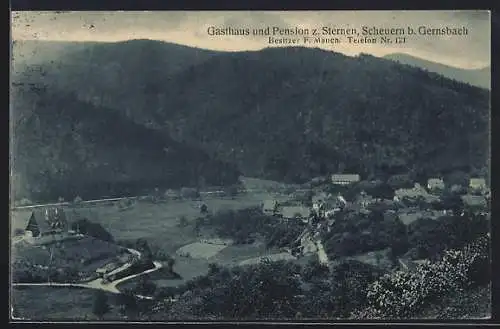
(158, 224)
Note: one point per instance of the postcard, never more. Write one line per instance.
(177, 166)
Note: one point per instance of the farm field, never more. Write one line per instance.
(189, 268)
(57, 304)
(158, 223)
(199, 250)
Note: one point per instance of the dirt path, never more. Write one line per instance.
(322, 256)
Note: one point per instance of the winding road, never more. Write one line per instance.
(95, 284)
(98, 284)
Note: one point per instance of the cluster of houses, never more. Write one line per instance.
(477, 189)
(320, 213)
(325, 206)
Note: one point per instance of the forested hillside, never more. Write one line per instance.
(286, 113)
(63, 147)
(295, 113)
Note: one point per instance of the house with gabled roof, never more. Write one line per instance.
(35, 229)
(46, 222)
(413, 194)
(409, 193)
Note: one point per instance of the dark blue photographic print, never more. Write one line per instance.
(273, 166)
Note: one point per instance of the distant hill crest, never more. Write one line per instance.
(476, 77)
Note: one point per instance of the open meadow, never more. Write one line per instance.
(200, 250)
(159, 224)
(191, 267)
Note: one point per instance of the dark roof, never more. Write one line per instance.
(32, 225)
(38, 220)
(37, 223)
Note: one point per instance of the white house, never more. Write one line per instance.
(434, 184)
(342, 201)
(412, 193)
(345, 179)
(477, 184)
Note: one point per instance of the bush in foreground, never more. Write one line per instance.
(402, 293)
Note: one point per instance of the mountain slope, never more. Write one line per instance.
(301, 112)
(65, 147)
(478, 77)
(291, 113)
(125, 75)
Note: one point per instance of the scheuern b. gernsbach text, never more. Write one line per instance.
(422, 30)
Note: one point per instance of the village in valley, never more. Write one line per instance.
(408, 204)
(81, 253)
(154, 180)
